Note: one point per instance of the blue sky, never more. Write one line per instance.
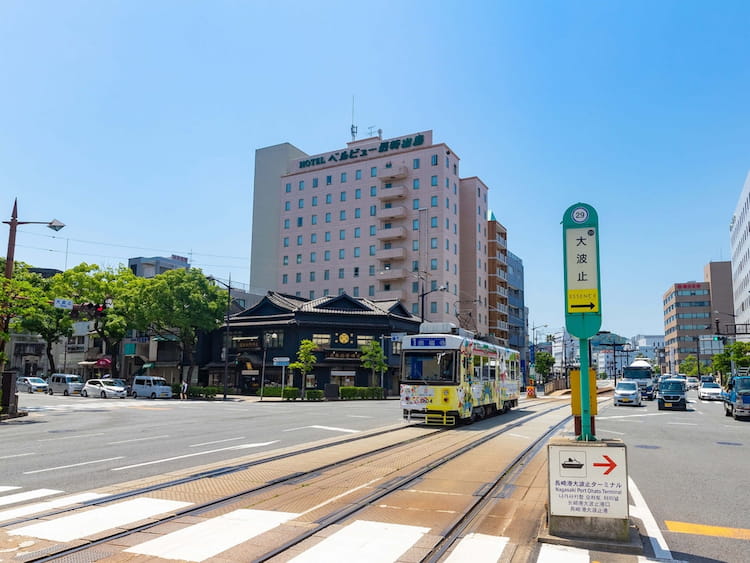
(135, 123)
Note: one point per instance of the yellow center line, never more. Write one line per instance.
(703, 530)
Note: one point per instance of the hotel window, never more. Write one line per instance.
(298, 277)
(434, 159)
(329, 198)
(326, 292)
(285, 279)
(343, 177)
(311, 293)
(356, 294)
(415, 287)
(299, 221)
(298, 259)
(342, 234)
(357, 213)
(314, 201)
(288, 188)
(433, 264)
(434, 201)
(301, 185)
(327, 236)
(415, 163)
(287, 206)
(329, 179)
(326, 275)
(286, 242)
(326, 255)
(415, 224)
(415, 245)
(373, 191)
(447, 162)
(415, 183)
(433, 242)
(342, 215)
(357, 232)
(315, 182)
(357, 174)
(285, 260)
(314, 220)
(313, 257)
(373, 171)
(356, 271)
(415, 266)
(299, 240)
(327, 217)
(433, 222)
(373, 230)
(433, 181)
(342, 254)
(371, 270)
(373, 211)
(341, 273)
(372, 250)
(371, 291)
(286, 223)
(357, 252)
(358, 193)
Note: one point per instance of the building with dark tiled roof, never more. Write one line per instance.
(339, 325)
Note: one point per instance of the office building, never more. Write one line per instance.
(385, 219)
(739, 240)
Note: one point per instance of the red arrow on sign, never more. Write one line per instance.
(610, 464)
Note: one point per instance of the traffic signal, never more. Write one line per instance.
(99, 310)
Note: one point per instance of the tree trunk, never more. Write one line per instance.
(50, 357)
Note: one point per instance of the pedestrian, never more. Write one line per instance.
(183, 389)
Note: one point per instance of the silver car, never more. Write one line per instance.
(627, 393)
(31, 385)
(709, 391)
(104, 388)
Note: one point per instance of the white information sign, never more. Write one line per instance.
(588, 481)
(63, 303)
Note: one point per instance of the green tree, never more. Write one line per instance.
(739, 352)
(18, 298)
(543, 362)
(114, 288)
(306, 359)
(689, 366)
(179, 304)
(373, 358)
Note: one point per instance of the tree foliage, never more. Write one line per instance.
(373, 357)
(543, 362)
(739, 352)
(306, 358)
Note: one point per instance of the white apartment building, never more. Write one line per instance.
(381, 218)
(739, 239)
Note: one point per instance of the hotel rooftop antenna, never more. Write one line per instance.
(354, 127)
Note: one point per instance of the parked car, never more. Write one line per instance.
(151, 387)
(709, 391)
(65, 384)
(627, 393)
(31, 385)
(708, 378)
(692, 383)
(104, 388)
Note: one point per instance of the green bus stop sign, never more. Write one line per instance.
(583, 305)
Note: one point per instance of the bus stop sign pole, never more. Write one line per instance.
(583, 311)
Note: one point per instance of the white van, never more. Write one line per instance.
(65, 384)
(152, 387)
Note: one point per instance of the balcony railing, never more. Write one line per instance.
(395, 192)
(391, 254)
(391, 234)
(392, 212)
(388, 174)
(392, 274)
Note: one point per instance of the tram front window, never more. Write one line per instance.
(430, 368)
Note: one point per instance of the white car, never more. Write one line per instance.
(709, 391)
(104, 388)
(31, 385)
(627, 393)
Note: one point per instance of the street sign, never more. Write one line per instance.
(63, 303)
(281, 361)
(583, 310)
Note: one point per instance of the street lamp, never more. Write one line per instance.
(532, 354)
(426, 293)
(55, 225)
(226, 331)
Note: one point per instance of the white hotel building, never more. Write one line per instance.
(382, 219)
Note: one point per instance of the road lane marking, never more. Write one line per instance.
(73, 465)
(334, 428)
(92, 522)
(478, 548)
(139, 439)
(683, 423)
(16, 455)
(70, 437)
(28, 495)
(705, 530)
(337, 497)
(364, 541)
(47, 505)
(640, 510)
(164, 460)
(5, 488)
(222, 533)
(551, 553)
(217, 442)
(614, 417)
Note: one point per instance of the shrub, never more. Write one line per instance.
(361, 392)
(271, 391)
(290, 393)
(314, 394)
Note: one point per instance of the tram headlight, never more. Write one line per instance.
(446, 395)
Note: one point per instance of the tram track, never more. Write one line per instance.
(276, 485)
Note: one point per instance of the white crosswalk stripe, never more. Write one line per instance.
(27, 495)
(38, 507)
(90, 522)
(209, 538)
(478, 548)
(550, 553)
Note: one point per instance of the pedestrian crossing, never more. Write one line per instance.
(363, 541)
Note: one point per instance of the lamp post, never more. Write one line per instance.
(532, 354)
(55, 225)
(226, 331)
(383, 338)
(426, 293)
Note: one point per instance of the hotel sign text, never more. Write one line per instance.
(351, 154)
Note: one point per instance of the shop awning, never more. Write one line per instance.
(103, 362)
(86, 363)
